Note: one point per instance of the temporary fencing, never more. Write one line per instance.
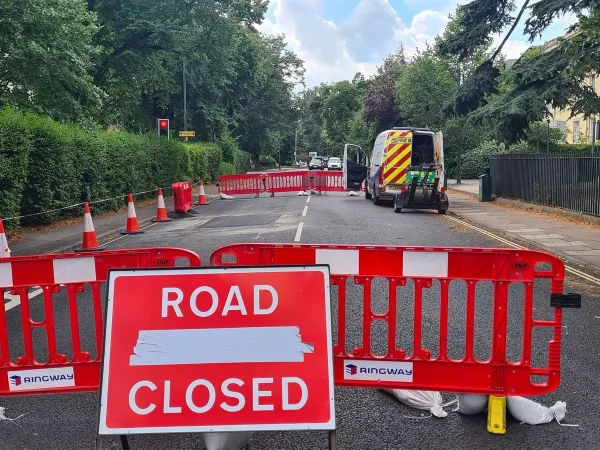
(278, 182)
(36, 364)
(424, 277)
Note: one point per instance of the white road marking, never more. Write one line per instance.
(15, 300)
(308, 199)
(299, 232)
(305, 211)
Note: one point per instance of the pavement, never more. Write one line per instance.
(367, 419)
(576, 243)
(108, 226)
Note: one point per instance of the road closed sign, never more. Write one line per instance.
(219, 349)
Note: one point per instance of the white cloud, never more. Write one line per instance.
(372, 30)
(358, 44)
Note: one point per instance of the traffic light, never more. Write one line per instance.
(163, 127)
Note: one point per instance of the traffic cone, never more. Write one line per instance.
(202, 197)
(90, 241)
(132, 223)
(4, 250)
(161, 211)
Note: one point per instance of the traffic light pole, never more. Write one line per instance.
(185, 124)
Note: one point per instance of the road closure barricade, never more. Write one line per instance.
(418, 274)
(36, 365)
(280, 182)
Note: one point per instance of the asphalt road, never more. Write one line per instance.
(367, 419)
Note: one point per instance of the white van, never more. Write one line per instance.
(398, 156)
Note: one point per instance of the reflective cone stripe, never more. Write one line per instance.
(161, 210)
(90, 241)
(132, 223)
(202, 196)
(4, 250)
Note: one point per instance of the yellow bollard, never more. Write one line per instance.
(496, 415)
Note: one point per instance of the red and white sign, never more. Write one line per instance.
(226, 349)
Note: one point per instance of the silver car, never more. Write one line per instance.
(334, 164)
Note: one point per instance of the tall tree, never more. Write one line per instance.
(423, 90)
(556, 77)
(47, 52)
(380, 106)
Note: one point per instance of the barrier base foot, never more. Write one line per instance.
(161, 220)
(97, 249)
(202, 204)
(132, 232)
(496, 415)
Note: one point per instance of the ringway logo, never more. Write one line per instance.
(378, 370)
(351, 369)
(35, 379)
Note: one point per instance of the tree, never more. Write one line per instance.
(380, 107)
(47, 53)
(423, 90)
(552, 78)
(268, 116)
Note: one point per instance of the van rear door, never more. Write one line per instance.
(398, 152)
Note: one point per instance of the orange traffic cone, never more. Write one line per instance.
(202, 196)
(4, 250)
(161, 211)
(90, 241)
(132, 223)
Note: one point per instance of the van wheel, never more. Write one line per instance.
(376, 199)
(397, 209)
(368, 195)
(441, 211)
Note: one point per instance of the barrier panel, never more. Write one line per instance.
(35, 364)
(285, 181)
(330, 181)
(250, 183)
(433, 283)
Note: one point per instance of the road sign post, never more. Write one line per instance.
(219, 349)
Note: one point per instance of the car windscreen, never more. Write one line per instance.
(316, 160)
(334, 160)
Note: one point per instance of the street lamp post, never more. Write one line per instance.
(548, 138)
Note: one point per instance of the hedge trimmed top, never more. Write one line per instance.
(45, 166)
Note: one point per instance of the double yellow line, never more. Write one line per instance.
(569, 269)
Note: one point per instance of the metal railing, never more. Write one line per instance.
(569, 181)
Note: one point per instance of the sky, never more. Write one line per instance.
(337, 38)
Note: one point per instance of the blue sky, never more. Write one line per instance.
(337, 38)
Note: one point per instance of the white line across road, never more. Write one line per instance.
(308, 199)
(15, 300)
(569, 269)
(305, 211)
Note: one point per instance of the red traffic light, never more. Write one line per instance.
(163, 123)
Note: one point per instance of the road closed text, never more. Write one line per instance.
(232, 395)
(218, 349)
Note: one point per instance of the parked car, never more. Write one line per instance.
(316, 163)
(334, 164)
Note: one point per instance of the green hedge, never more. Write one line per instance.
(46, 166)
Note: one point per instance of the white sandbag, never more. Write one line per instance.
(235, 440)
(226, 197)
(352, 194)
(303, 194)
(431, 401)
(471, 404)
(532, 413)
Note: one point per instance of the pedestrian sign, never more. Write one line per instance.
(218, 349)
